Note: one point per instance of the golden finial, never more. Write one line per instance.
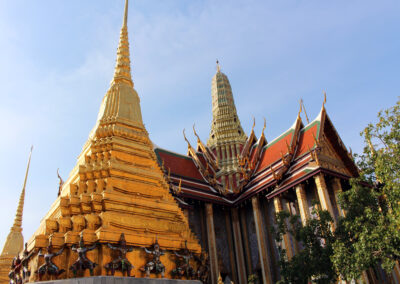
(304, 108)
(254, 124)
(195, 133)
(61, 183)
(310, 151)
(184, 136)
(180, 186)
(273, 173)
(218, 67)
(220, 279)
(289, 149)
(315, 139)
(323, 104)
(122, 71)
(301, 105)
(125, 22)
(20, 209)
(265, 125)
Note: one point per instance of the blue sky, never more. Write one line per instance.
(57, 59)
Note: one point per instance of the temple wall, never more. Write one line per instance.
(196, 223)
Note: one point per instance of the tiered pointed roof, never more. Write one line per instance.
(274, 167)
(225, 126)
(117, 186)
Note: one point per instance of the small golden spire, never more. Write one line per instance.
(323, 104)
(305, 112)
(220, 279)
(301, 108)
(254, 124)
(122, 71)
(195, 133)
(20, 209)
(218, 67)
(265, 125)
(187, 141)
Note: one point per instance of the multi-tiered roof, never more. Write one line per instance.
(255, 164)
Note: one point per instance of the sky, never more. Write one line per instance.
(57, 60)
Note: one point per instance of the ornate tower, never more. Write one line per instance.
(116, 187)
(226, 136)
(15, 240)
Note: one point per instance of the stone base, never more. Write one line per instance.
(119, 280)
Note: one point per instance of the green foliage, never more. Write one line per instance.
(369, 234)
(313, 261)
(252, 279)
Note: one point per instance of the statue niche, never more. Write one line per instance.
(83, 263)
(183, 267)
(15, 270)
(204, 268)
(154, 264)
(26, 273)
(48, 267)
(120, 263)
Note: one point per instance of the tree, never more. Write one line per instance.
(316, 238)
(369, 235)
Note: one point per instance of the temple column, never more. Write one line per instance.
(212, 246)
(262, 248)
(293, 240)
(241, 269)
(228, 223)
(286, 238)
(323, 195)
(246, 241)
(303, 204)
(337, 188)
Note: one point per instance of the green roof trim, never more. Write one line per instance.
(282, 136)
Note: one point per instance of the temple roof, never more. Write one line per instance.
(297, 154)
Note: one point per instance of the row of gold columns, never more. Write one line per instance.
(303, 207)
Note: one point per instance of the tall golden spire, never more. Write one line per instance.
(122, 71)
(20, 209)
(15, 241)
(121, 104)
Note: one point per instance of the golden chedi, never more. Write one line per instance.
(116, 187)
(15, 241)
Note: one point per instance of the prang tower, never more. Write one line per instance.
(226, 136)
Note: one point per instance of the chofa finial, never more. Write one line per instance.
(265, 125)
(300, 109)
(195, 133)
(323, 104)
